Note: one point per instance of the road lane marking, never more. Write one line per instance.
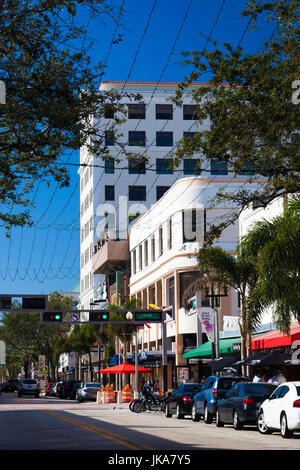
(130, 444)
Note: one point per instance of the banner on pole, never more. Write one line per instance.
(207, 318)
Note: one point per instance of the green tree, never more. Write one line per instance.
(51, 94)
(26, 337)
(274, 246)
(254, 121)
(238, 272)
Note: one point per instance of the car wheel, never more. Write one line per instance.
(236, 422)
(37, 395)
(19, 394)
(219, 423)
(167, 412)
(285, 432)
(261, 425)
(195, 416)
(207, 416)
(179, 415)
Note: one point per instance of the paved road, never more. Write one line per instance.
(48, 423)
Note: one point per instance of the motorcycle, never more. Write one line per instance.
(148, 401)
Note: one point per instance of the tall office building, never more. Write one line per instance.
(113, 192)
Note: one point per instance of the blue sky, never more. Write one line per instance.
(45, 257)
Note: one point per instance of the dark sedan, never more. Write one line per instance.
(69, 389)
(180, 402)
(241, 404)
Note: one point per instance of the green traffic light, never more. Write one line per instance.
(57, 316)
(104, 317)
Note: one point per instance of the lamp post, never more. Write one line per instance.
(214, 304)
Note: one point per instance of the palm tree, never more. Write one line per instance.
(274, 247)
(239, 273)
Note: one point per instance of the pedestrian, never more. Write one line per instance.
(156, 388)
(278, 378)
(257, 378)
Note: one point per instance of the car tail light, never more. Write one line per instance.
(214, 393)
(296, 404)
(85, 389)
(248, 401)
(187, 400)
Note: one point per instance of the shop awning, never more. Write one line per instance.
(227, 346)
(276, 339)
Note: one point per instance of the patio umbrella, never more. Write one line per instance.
(276, 359)
(221, 362)
(254, 360)
(123, 368)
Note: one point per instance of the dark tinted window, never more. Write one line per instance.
(136, 111)
(164, 166)
(137, 138)
(109, 166)
(191, 167)
(160, 191)
(164, 139)
(109, 193)
(226, 384)
(218, 167)
(109, 111)
(191, 388)
(137, 193)
(136, 167)
(164, 111)
(190, 112)
(109, 138)
(258, 389)
(29, 381)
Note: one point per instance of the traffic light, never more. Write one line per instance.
(99, 316)
(52, 317)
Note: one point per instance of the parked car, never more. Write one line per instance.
(69, 388)
(59, 388)
(12, 385)
(213, 389)
(56, 388)
(281, 411)
(48, 389)
(180, 402)
(88, 391)
(241, 404)
(2, 386)
(28, 387)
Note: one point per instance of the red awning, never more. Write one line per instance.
(276, 339)
(123, 368)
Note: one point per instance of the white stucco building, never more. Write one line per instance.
(112, 195)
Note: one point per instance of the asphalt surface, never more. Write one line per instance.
(48, 423)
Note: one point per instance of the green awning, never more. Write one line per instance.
(205, 350)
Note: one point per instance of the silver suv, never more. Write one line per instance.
(28, 387)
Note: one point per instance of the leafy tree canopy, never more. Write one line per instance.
(51, 94)
(251, 107)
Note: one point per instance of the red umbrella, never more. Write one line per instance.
(123, 368)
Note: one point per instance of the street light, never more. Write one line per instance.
(215, 299)
(130, 316)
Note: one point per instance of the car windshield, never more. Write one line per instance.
(259, 389)
(29, 381)
(93, 385)
(298, 391)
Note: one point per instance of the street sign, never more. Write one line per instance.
(148, 316)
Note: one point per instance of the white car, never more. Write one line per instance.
(28, 387)
(281, 411)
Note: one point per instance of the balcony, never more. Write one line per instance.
(109, 255)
